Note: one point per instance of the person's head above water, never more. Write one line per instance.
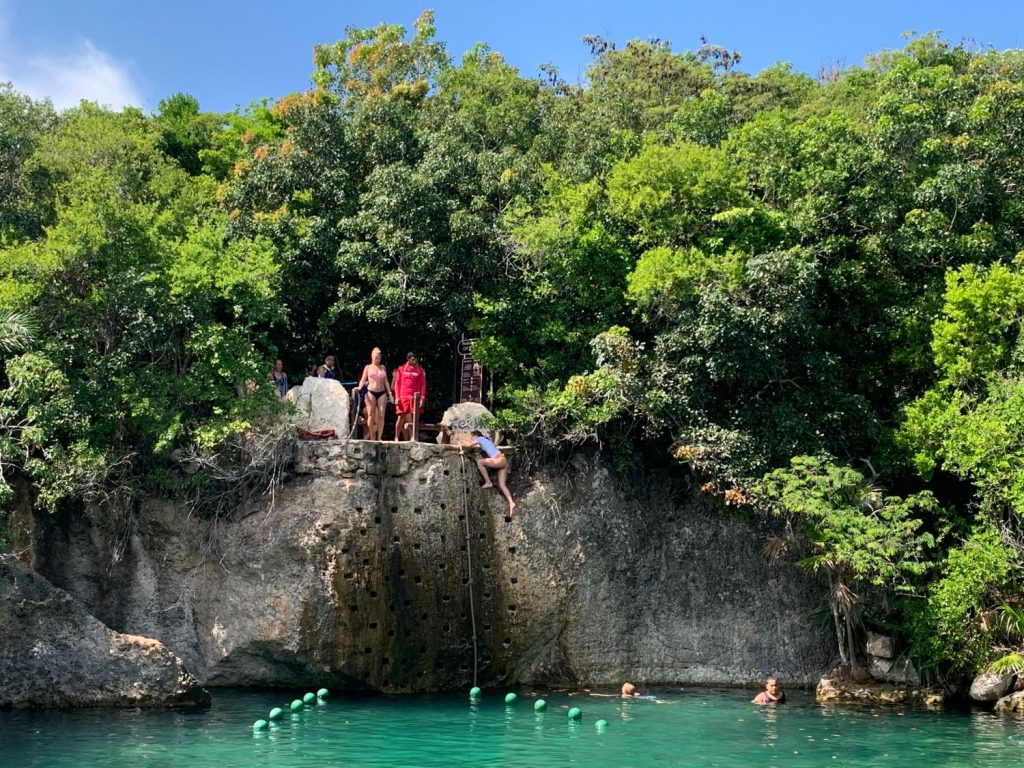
(772, 693)
(628, 689)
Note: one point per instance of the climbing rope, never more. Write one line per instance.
(469, 561)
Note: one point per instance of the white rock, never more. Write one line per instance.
(880, 645)
(328, 405)
(890, 671)
(990, 686)
(463, 418)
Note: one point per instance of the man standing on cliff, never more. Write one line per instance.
(409, 380)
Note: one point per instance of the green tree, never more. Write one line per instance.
(969, 421)
(860, 540)
(186, 132)
(957, 626)
(23, 211)
(149, 319)
(384, 194)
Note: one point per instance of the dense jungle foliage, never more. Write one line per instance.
(804, 294)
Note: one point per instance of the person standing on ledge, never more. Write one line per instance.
(409, 380)
(771, 694)
(279, 379)
(377, 391)
(494, 459)
(327, 370)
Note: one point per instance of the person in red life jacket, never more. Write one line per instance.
(409, 380)
(771, 694)
(493, 459)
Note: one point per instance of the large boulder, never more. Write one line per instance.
(893, 670)
(461, 419)
(991, 687)
(53, 653)
(880, 646)
(842, 689)
(321, 404)
(1012, 704)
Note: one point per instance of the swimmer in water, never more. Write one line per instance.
(771, 694)
(629, 691)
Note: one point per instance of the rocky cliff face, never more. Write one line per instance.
(54, 654)
(385, 566)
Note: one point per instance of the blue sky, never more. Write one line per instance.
(228, 54)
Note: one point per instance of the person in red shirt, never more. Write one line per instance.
(409, 380)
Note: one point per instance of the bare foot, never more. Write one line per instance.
(512, 509)
(487, 485)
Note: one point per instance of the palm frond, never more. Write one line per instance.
(1011, 662)
(16, 332)
(1011, 620)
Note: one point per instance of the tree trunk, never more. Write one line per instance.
(851, 647)
(840, 639)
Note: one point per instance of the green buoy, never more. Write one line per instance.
(296, 705)
(474, 692)
(540, 705)
(260, 725)
(510, 698)
(323, 693)
(276, 713)
(601, 725)
(575, 713)
(309, 698)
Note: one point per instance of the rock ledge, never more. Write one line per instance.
(53, 653)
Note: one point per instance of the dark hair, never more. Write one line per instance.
(411, 355)
(477, 433)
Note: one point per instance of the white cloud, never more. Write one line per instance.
(67, 77)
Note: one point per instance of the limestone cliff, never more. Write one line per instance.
(54, 654)
(385, 566)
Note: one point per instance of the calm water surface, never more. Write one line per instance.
(682, 728)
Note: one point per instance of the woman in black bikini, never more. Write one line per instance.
(378, 392)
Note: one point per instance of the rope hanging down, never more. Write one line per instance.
(469, 562)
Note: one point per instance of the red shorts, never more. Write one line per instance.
(404, 405)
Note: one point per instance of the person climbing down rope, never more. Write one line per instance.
(494, 459)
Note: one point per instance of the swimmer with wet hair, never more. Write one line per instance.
(629, 691)
(772, 693)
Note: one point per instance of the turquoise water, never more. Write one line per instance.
(691, 728)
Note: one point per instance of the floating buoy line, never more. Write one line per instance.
(574, 715)
(297, 705)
